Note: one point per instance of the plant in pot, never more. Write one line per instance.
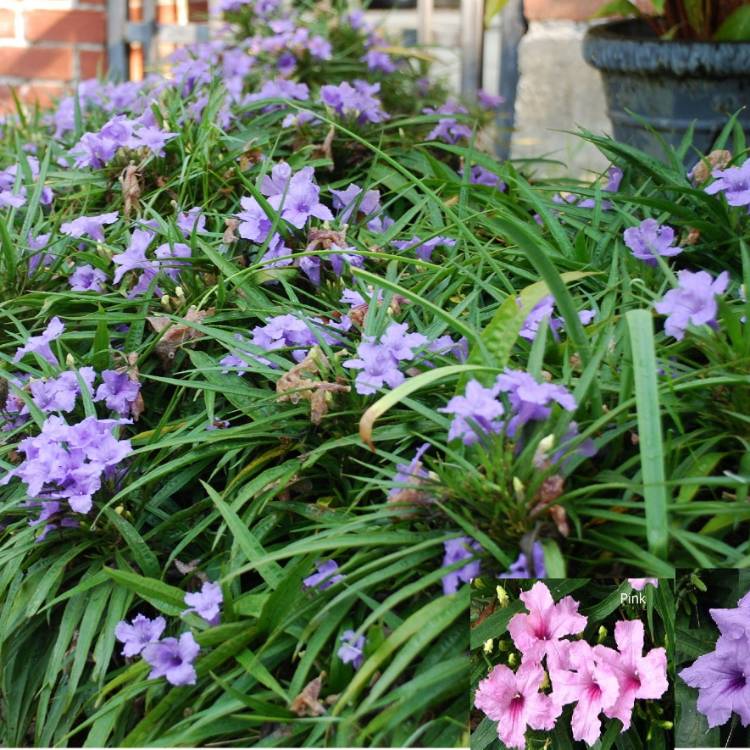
(670, 64)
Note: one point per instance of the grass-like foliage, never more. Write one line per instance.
(316, 322)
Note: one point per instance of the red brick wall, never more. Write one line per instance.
(45, 44)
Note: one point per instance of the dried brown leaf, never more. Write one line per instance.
(307, 703)
(174, 334)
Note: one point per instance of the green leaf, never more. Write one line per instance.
(736, 26)
(166, 598)
(650, 443)
(554, 562)
(252, 549)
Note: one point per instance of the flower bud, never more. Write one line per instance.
(487, 647)
(502, 596)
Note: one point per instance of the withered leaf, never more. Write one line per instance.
(130, 180)
(174, 334)
(293, 386)
(307, 703)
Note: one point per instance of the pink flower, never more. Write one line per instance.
(638, 584)
(589, 681)
(538, 633)
(638, 676)
(514, 701)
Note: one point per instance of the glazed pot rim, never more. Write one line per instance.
(628, 46)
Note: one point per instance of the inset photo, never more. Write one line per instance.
(712, 659)
(572, 663)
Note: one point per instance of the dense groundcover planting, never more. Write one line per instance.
(286, 359)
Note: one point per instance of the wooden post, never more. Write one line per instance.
(512, 28)
(117, 48)
(472, 46)
(425, 21)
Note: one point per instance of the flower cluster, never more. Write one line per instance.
(171, 658)
(479, 413)
(722, 675)
(355, 100)
(597, 679)
(379, 361)
(69, 462)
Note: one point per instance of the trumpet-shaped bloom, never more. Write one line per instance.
(650, 239)
(722, 678)
(693, 302)
(639, 676)
(325, 577)
(514, 701)
(734, 182)
(91, 226)
(136, 635)
(456, 550)
(41, 344)
(173, 659)
(531, 400)
(539, 633)
(352, 649)
(206, 603)
(478, 409)
(520, 568)
(591, 684)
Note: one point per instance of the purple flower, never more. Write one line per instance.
(118, 392)
(478, 409)
(134, 257)
(734, 182)
(206, 603)
(152, 138)
(379, 60)
(168, 254)
(355, 100)
(448, 129)
(139, 633)
(69, 461)
(722, 677)
(87, 279)
(481, 176)
(456, 550)
(409, 476)
(531, 400)
(60, 393)
(89, 225)
(489, 101)
(353, 198)
(301, 200)
(352, 650)
(520, 568)
(192, 221)
(423, 249)
(281, 88)
(693, 302)
(325, 577)
(651, 239)
(173, 659)
(255, 225)
(379, 361)
(543, 310)
(41, 344)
